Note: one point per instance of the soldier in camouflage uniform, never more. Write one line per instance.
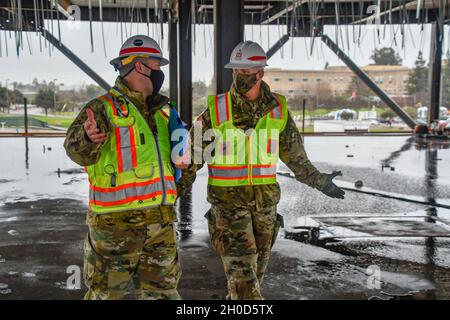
(243, 220)
(135, 245)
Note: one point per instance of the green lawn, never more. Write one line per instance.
(323, 111)
(315, 112)
(63, 122)
(307, 129)
(35, 121)
(389, 129)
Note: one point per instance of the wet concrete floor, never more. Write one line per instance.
(42, 225)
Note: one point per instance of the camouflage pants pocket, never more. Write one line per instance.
(242, 280)
(279, 223)
(109, 263)
(159, 269)
(231, 232)
(211, 222)
(95, 271)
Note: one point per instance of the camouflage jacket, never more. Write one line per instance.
(77, 144)
(246, 114)
(79, 147)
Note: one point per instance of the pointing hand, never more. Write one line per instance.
(90, 126)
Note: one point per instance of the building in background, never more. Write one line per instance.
(335, 80)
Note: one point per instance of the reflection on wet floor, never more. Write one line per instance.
(27, 151)
(193, 206)
(421, 171)
(366, 228)
(431, 165)
(185, 219)
(386, 163)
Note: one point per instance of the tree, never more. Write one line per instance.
(387, 114)
(412, 111)
(35, 83)
(324, 94)
(4, 99)
(198, 106)
(358, 93)
(199, 89)
(8, 97)
(386, 57)
(15, 97)
(93, 91)
(417, 83)
(347, 115)
(446, 81)
(45, 99)
(296, 102)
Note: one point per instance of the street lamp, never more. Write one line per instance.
(7, 95)
(54, 94)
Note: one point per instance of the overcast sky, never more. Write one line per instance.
(295, 54)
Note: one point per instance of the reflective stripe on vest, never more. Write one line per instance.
(241, 172)
(125, 147)
(130, 192)
(133, 172)
(259, 171)
(223, 107)
(259, 168)
(277, 112)
(228, 173)
(272, 146)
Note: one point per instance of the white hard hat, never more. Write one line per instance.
(246, 55)
(140, 46)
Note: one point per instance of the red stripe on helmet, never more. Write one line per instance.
(139, 49)
(257, 58)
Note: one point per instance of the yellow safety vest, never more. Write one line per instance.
(134, 170)
(241, 158)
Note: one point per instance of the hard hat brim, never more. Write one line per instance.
(233, 65)
(163, 61)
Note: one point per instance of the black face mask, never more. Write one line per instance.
(156, 77)
(244, 82)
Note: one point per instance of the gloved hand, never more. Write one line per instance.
(330, 189)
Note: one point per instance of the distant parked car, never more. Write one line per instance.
(383, 121)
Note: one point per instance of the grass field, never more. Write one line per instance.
(307, 129)
(389, 129)
(323, 111)
(66, 121)
(63, 122)
(17, 120)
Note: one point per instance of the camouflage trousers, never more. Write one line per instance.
(244, 238)
(128, 246)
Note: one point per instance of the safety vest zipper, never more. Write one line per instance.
(250, 169)
(161, 169)
(158, 151)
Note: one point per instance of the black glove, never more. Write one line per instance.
(330, 189)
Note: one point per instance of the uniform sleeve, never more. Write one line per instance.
(78, 146)
(293, 154)
(189, 175)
